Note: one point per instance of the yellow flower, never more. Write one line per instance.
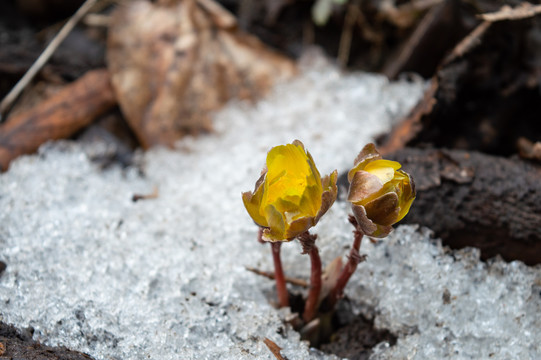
(380, 193)
(290, 196)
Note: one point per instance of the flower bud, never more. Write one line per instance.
(379, 192)
(290, 196)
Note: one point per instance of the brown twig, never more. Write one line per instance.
(344, 46)
(522, 11)
(153, 195)
(270, 275)
(469, 42)
(275, 349)
(44, 57)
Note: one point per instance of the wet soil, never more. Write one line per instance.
(17, 344)
(346, 334)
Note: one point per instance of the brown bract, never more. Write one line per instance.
(379, 192)
(173, 62)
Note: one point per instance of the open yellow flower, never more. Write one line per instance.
(380, 193)
(290, 196)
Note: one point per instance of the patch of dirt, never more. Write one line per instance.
(355, 340)
(348, 336)
(15, 344)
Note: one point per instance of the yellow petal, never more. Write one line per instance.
(287, 174)
(383, 169)
(367, 155)
(252, 206)
(289, 198)
(310, 201)
(404, 209)
(276, 228)
(407, 194)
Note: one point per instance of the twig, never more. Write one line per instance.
(522, 11)
(344, 47)
(270, 275)
(469, 42)
(44, 57)
(275, 349)
(97, 20)
(153, 195)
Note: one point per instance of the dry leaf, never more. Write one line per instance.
(529, 150)
(174, 62)
(57, 117)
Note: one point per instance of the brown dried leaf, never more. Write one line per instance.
(529, 150)
(57, 117)
(174, 62)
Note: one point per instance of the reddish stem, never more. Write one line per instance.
(309, 246)
(354, 259)
(283, 296)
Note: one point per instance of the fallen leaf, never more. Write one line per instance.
(57, 117)
(174, 62)
(529, 150)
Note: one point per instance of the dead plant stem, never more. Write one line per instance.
(44, 57)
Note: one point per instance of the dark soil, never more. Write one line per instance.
(347, 336)
(356, 339)
(18, 345)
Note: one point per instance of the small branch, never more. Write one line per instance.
(344, 46)
(153, 195)
(274, 349)
(270, 275)
(281, 289)
(44, 57)
(522, 11)
(354, 259)
(469, 42)
(308, 243)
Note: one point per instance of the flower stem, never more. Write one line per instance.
(283, 296)
(354, 259)
(308, 244)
